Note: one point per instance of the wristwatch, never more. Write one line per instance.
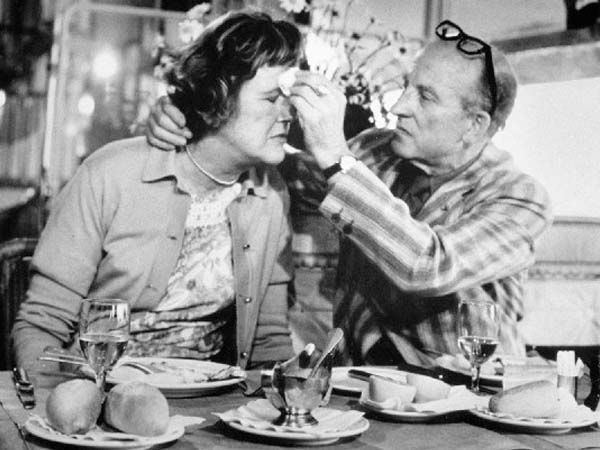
(343, 165)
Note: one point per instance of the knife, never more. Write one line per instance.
(24, 387)
(445, 375)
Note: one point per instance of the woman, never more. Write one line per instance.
(198, 240)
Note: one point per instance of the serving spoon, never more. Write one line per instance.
(335, 337)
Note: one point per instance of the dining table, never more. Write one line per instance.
(457, 431)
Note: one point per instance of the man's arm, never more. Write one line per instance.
(493, 240)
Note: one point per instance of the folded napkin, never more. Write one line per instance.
(260, 414)
(99, 435)
(459, 398)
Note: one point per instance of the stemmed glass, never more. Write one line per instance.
(103, 334)
(477, 334)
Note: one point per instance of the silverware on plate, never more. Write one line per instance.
(24, 387)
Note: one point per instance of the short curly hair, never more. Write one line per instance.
(207, 77)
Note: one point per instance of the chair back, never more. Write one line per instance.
(15, 256)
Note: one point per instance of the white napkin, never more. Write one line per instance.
(459, 398)
(260, 414)
(286, 80)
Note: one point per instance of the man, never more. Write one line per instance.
(431, 212)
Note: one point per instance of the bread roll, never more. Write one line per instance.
(382, 389)
(537, 399)
(137, 408)
(428, 388)
(74, 406)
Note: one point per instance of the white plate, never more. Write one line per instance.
(343, 383)
(175, 389)
(33, 427)
(534, 426)
(301, 438)
(405, 416)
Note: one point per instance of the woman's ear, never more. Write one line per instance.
(479, 123)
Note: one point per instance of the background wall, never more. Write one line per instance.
(554, 134)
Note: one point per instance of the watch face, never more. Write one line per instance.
(346, 162)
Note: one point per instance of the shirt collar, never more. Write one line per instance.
(435, 181)
(160, 165)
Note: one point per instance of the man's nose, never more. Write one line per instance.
(402, 107)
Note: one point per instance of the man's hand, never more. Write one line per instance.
(166, 126)
(320, 106)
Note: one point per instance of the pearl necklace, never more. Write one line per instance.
(208, 174)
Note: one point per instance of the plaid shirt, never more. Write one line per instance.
(404, 276)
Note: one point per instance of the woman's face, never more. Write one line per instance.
(258, 128)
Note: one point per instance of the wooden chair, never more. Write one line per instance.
(15, 256)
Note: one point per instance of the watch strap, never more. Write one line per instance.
(330, 171)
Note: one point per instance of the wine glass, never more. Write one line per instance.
(477, 334)
(103, 334)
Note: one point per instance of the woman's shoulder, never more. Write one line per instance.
(120, 155)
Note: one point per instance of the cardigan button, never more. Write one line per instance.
(244, 355)
(246, 247)
(248, 300)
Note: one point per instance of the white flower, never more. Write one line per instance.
(198, 11)
(320, 56)
(189, 30)
(295, 6)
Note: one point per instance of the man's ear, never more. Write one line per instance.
(479, 123)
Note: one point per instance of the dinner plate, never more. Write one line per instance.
(405, 416)
(35, 427)
(342, 383)
(300, 437)
(535, 426)
(175, 387)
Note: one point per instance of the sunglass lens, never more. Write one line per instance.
(471, 46)
(448, 31)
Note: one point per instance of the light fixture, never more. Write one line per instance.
(106, 64)
(86, 104)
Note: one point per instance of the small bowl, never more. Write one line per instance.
(296, 393)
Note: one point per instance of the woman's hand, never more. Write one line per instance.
(320, 106)
(166, 126)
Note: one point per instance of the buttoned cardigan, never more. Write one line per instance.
(116, 230)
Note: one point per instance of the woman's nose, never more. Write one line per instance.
(287, 112)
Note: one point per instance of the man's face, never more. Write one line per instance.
(258, 127)
(431, 118)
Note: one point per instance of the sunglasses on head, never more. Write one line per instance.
(469, 45)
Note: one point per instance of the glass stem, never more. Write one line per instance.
(475, 370)
(101, 379)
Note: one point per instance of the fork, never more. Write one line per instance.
(23, 434)
(145, 368)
